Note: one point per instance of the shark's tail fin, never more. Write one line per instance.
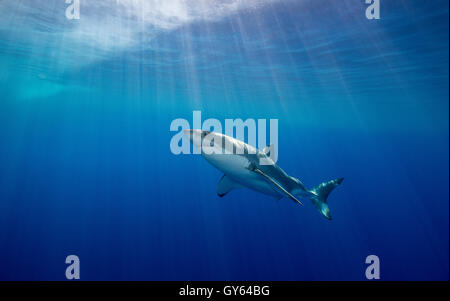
(321, 193)
(323, 190)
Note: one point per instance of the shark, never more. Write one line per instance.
(242, 167)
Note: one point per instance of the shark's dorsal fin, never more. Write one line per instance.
(267, 149)
(225, 185)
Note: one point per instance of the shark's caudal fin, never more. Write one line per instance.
(323, 190)
(321, 193)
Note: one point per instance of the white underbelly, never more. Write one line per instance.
(236, 167)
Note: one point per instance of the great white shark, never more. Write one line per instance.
(241, 167)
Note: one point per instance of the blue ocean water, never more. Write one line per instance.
(86, 167)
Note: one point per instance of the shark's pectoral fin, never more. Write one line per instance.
(253, 167)
(226, 185)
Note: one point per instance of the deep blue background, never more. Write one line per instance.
(86, 168)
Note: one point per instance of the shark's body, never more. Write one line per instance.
(241, 165)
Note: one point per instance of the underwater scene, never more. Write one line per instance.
(90, 91)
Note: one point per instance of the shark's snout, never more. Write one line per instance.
(195, 133)
(188, 133)
(195, 136)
